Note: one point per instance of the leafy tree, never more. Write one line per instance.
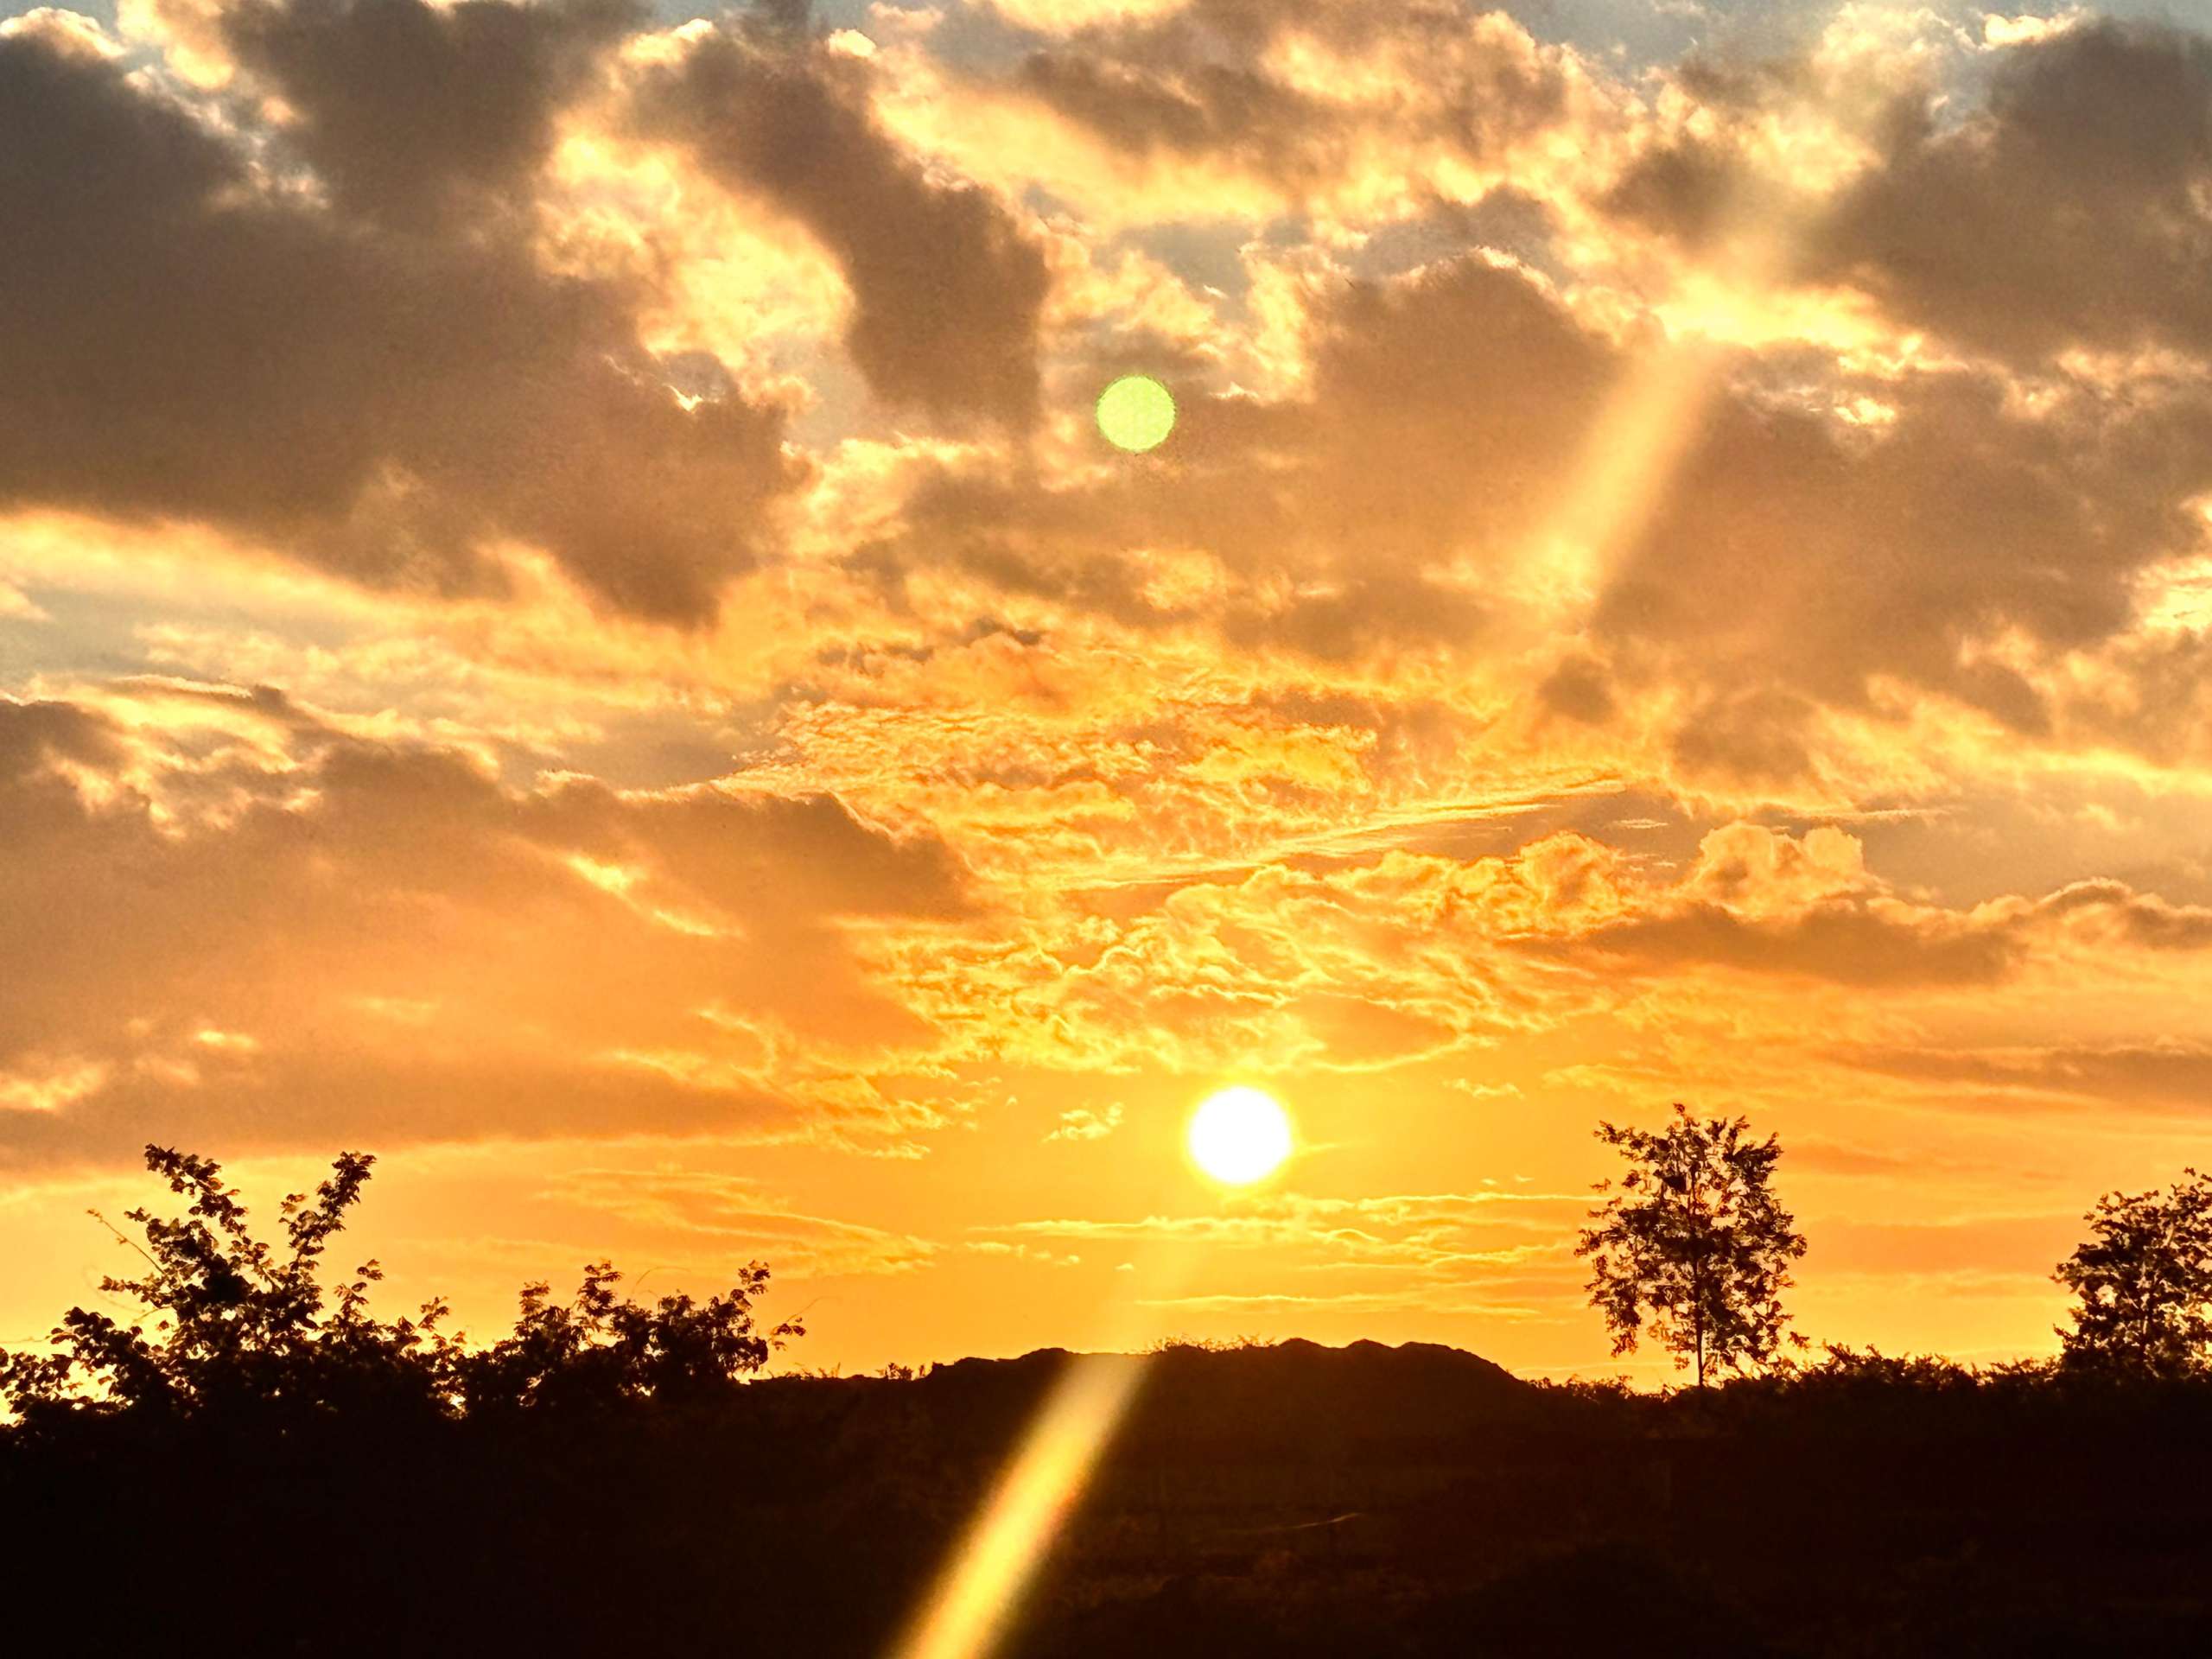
(1694, 1234)
(238, 1323)
(2143, 1282)
(600, 1351)
(241, 1326)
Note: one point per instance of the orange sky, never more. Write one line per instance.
(563, 621)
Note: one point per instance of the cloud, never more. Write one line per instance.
(1963, 550)
(1023, 1253)
(947, 285)
(1796, 564)
(1435, 1234)
(1335, 520)
(1314, 100)
(193, 341)
(411, 112)
(384, 929)
(2071, 212)
(1406, 961)
(2170, 1074)
(2110, 913)
(1081, 1124)
(697, 1210)
(2052, 203)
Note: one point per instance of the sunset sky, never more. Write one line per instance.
(565, 620)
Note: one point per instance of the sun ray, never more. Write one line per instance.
(982, 1590)
(1652, 418)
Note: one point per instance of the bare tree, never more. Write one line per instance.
(1694, 1234)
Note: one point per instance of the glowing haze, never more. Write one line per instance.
(567, 618)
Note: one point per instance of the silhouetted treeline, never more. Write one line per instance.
(273, 1469)
(242, 1325)
(1285, 1500)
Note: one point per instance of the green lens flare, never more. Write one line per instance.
(1136, 413)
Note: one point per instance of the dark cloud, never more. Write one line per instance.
(35, 736)
(2158, 700)
(407, 110)
(2143, 921)
(2067, 207)
(1698, 184)
(1751, 735)
(1687, 188)
(1440, 408)
(185, 342)
(1202, 82)
(1846, 942)
(1726, 916)
(947, 285)
(1959, 541)
(1579, 688)
(2074, 210)
(1145, 104)
(2173, 1075)
(1796, 559)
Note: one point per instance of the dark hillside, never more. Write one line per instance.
(1291, 1500)
(1295, 1399)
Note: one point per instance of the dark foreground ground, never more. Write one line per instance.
(1289, 1500)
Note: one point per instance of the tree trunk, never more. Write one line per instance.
(1697, 1268)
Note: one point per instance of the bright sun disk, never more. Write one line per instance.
(1239, 1136)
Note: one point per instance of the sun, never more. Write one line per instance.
(1239, 1136)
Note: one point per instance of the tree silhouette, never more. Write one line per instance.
(2143, 1282)
(1694, 1234)
(241, 1326)
(602, 1352)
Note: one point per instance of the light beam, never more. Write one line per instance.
(983, 1587)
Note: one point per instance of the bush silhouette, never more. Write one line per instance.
(243, 1326)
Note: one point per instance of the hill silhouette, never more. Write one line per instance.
(1289, 1499)
(1295, 1399)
